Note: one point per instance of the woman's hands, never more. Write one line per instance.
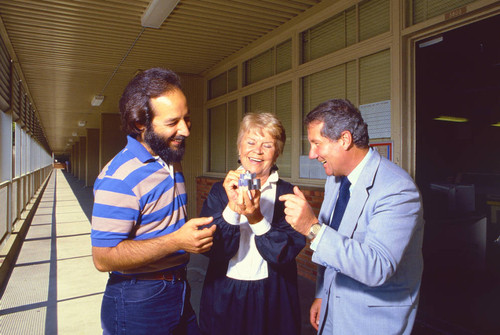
(241, 200)
(231, 186)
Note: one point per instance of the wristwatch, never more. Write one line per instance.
(314, 230)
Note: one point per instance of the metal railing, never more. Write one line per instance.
(15, 195)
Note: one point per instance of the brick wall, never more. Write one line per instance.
(306, 267)
(203, 186)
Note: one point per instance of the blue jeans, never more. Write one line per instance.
(131, 306)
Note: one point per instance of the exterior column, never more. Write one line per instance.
(76, 165)
(92, 156)
(83, 158)
(113, 139)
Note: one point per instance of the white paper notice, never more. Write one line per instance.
(378, 117)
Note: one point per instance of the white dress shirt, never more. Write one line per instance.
(353, 178)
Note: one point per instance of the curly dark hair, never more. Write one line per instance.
(339, 115)
(135, 101)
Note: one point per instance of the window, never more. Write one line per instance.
(217, 126)
(329, 36)
(276, 86)
(374, 18)
(341, 82)
(232, 79)
(284, 56)
(276, 100)
(375, 78)
(260, 102)
(6, 146)
(233, 122)
(217, 86)
(284, 114)
(421, 10)
(341, 30)
(223, 124)
(338, 82)
(259, 67)
(223, 83)
(268, 63)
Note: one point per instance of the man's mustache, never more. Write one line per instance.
(180, 138)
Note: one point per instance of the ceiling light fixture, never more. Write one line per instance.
(431, 42)
(451, 118)
(75, 134)
(157, 12)
(496, 124)
(82, 123)
(97, 100)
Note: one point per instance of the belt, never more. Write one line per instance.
(168, 275)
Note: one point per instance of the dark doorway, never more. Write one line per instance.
(458, 173)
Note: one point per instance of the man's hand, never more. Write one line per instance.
(130, 254)
(298, 213)
(314, 313)
(193, 239)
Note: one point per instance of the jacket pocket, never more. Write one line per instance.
(385, 298)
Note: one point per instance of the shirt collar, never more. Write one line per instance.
(354, 175)
(169, 167)
(136, 148)
(273, 177)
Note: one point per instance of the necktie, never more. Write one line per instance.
(341, 204)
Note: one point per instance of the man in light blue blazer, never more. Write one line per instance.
(370, 264)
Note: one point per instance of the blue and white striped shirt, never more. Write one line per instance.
(138, 198)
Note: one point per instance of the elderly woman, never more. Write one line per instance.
(251, 281)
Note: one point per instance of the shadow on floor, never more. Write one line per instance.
(84, 194)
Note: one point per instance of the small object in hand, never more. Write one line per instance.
(249, 180)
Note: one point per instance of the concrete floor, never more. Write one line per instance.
(54, 288)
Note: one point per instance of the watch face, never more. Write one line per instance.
(315, 228)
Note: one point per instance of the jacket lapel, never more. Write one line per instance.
(359, 196)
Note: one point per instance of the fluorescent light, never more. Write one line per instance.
(431, 42)
(451, 118)
(157, 12)
(97, 100)
(496, 124)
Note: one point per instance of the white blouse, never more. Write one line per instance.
(247, 263)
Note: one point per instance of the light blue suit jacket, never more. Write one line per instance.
(370, 270)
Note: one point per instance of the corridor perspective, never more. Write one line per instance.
(424, 75)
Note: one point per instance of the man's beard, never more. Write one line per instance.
(161, 146)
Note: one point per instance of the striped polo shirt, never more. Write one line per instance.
(137, 198)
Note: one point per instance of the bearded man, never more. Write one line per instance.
(140, 232)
